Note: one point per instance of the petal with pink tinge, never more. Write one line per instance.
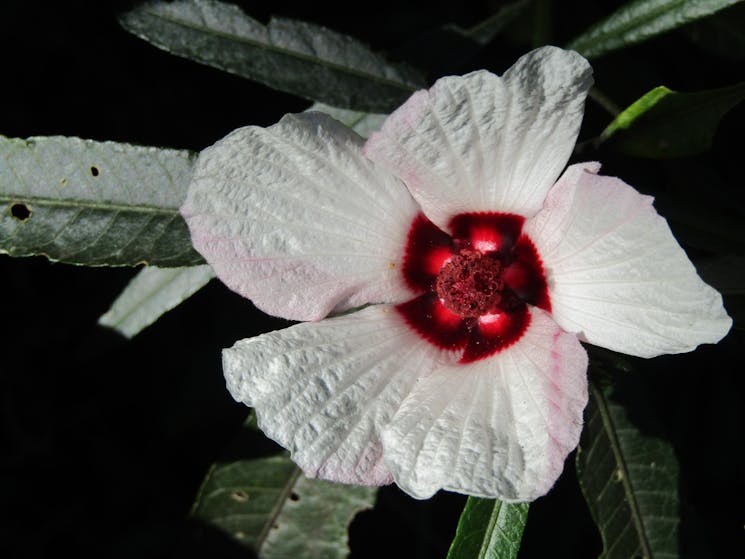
(325, 390)
(616, 274)
(297, 220)
(486, 143)
(499, 427)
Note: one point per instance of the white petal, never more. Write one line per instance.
(616, 274)
(296, 219)
(485, 143)
(499, 427)
(324, 390)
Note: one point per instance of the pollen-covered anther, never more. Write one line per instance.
(470, 283)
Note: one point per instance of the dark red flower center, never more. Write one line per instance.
(474, 285)
(470, 283)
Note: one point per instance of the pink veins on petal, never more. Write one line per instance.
(474, 285)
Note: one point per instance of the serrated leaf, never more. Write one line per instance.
(293, 56)
(489, 529)
(268, 506)
(151, 293)
(665, 123)
(94, 203)
(630, 482)
(640, 20)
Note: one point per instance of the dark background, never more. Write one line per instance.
(105, 441)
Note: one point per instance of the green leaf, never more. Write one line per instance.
(665, 123)
(151, 293)
(268, 506)
(94, 203)
(293, 56)
(630, 481)
(640, 20)
(489, 529)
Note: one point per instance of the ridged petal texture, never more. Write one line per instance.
(328, 391)
(617, 276)
(486, 143)
(297, 220)
(499, 427)
(325, 390)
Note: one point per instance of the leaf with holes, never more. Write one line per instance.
(640, 20)
(489, 529)
(629, 478)
(665, 123)
(268, 506)
(151, 293)
(293, 56)
(94, 203)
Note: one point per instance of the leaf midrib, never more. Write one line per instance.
(277, 508)
(621, 463)
(88, 204)
(493, 518)
(274, 48)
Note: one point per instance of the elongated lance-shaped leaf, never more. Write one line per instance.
(630, 481)
(268, 506)
(293, 56)
(665, 123)
(151, 293)
(94, 203)
(489, 529)
(640, 20)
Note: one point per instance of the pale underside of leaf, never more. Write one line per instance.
(630, 481)
(268, 506)
(151, 293)
(94, 203)
(640, 20)
(361, 122)
(293, 56)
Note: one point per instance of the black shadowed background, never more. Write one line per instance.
(105, 441)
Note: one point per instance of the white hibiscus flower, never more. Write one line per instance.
(483, 273)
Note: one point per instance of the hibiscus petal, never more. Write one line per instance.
(324, 390)
(485, 143)
(616, 274)
(499, 427)
(296, 219)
